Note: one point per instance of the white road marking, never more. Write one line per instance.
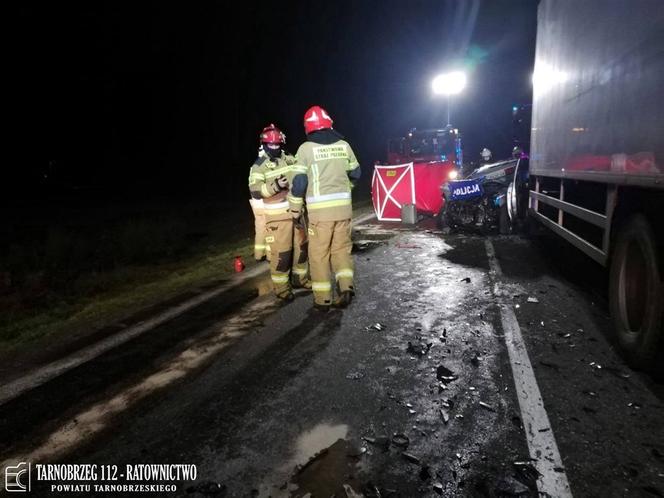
(51, 370)
(541, 445)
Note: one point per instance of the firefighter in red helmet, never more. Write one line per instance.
(326, 169)
(286, 241)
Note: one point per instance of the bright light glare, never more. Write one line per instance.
(449, 83)
(546, 77)
(453, 174)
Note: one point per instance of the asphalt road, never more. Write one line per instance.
(271, 400)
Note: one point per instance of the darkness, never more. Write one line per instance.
(154, 98)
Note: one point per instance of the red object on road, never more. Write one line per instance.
(239, 264)
(419, 184)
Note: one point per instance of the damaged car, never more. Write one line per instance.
(491, 199)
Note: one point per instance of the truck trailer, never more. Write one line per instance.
(597, 151)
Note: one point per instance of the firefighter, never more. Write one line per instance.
(486, 155)
(286, 243)
(327, 170)
(257, 207)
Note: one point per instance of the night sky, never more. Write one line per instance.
(169, 97)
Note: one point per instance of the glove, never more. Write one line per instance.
(261, 152)
(282, 182)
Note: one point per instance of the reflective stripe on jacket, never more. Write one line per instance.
(328, 193)
(262, 184)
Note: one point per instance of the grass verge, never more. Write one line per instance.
(104, 298)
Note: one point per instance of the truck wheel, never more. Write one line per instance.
(635, 292)
(504, 224)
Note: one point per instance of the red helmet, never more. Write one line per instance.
(316, 118)
(272, 135)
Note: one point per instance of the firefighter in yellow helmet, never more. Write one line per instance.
(286, 241)
(327, 168)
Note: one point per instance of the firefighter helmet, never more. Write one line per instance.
(272, 135)
(316, 118)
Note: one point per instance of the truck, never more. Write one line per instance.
(596, 174)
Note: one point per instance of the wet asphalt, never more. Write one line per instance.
(273, 400)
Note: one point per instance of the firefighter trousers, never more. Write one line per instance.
(330, 246)
(288, 246)
(260, 247)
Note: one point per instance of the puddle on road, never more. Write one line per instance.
(367, 237)
(324, 463)
(312, 442)
(330, 473)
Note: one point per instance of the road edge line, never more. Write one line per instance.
(542, 446)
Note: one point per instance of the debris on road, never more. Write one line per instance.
(356, 450)
(444, 415)
(618, 373)
(487, 406)
(438, 488)
(445, 374)
(376, 326)
(400, 440)
(411, 458)
(533, 300)
(419, 349)
(467, 280)
(354, 375)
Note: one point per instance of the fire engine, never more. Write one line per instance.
(442, 147)
(417, 165)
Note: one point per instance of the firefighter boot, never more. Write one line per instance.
(300, 272)
(320, 235)
(342, 262)
(344, 299)
(280, 239)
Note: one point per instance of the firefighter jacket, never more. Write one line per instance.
(326, 169)
(263, 184)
